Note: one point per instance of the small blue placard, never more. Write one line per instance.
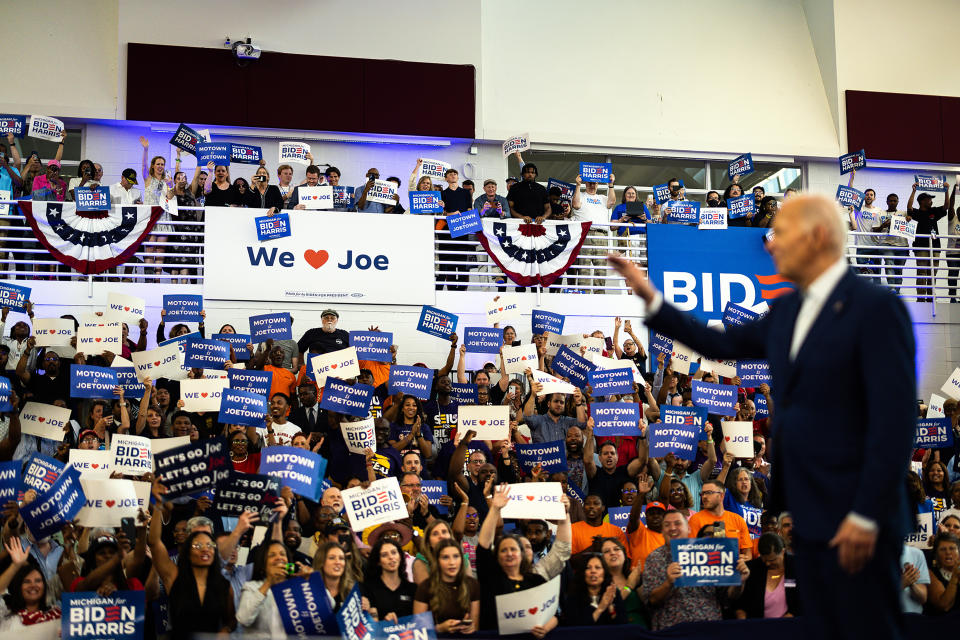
(302, 605)
(434, 490)
(238, 341)
(40, 472)
(92, 382)
(242, 408)
(753, 373)
(92, 198)
(272, 227)
(343, 197)
(740, 166)
(464, 393)
(415, 381)
(460, 224)
(276, 326)
(605, 382)
(546, 321)
(619, 516)
(206, 354)
(927, 182)
(14, 296)
(301, 470)
(426, 202)
(685, 211)
(483, 339)
(849, 197)
(187, 139)
(741, 206)
(245, 153)
(9, 480)
(615, 418)
(660, 343)
(661, 193)
(250, 380)
(706, 562)
(5, 405)
(372, 345)
(182, 307)
(569, 365)
(736, 316)
(17, 125)
(933, 433)
(678, 433)
(340, 397)
(596, 172)
(551, 456)
(566, 189)
(89, 616)
(127, 378)
(436, 322)
(56, 506)
(760, 402)
(718, 399)
(851, 161)
(216, 152)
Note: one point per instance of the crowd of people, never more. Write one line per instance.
(450, 556)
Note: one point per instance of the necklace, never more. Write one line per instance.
(773, 576)
(245, 456)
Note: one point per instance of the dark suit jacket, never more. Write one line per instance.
(844, 412)
(754, 590)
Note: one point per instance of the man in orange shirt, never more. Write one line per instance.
(593, 526)
(284, 381)
(711, 499)
(642, 539)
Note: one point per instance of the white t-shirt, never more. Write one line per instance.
(593, 208)
(119, 195)
(282, 433)
(915, 557)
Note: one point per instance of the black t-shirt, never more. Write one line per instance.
(319, 341)
(495, 582)
(386, 601)
(927, 220)
(42, 388)
(456, 200)
(607, 485)
(528, 198)
(222, 197)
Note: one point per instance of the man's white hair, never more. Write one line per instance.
(822, 211)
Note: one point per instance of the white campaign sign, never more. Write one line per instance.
(339, 364)
(44, 420)
(165, 444)
(107, 502)
(294, 152)
(45, 128)
(433, 168)
(125, 308)
(738, 437)
(935, 406)
(490, 423)
(203, 394)
(329, 258)
(4, 195)
(712, 218)
(595, 347)
(162, 362)
(683, 357)
(316, 197)
(92, 463)
(505, 307)
(519, 142)
(518, 359)
(725, 368)
(359, 435)
(552, 384)
(554, 342)
(131, 454)
(521, 611)
(952, 386)
(53, 332)
(535, 500)
(613, 363)
(900, 228)
(94, 320)
(217, 374)
(921, 537)
(94, 340)
(382, 191)
(380, 502)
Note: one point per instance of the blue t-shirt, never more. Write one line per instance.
(398, 431)
(746, 511)
(369, 207)
(619, 211)
(6, 182)
(442, 420)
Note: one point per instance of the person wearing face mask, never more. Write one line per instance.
(734, 190)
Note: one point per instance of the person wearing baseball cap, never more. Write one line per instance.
(325, 338)
(489, 203)
(88, 439)
(927, 217)
(125, 192)
(644, 538)
(50, 186)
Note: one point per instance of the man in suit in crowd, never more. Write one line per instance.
(839, 455)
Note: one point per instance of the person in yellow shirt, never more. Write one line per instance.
(593, 526)
(642, 539)
(711, 501)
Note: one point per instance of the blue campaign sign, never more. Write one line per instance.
(193, 468)
(569, 365)
(40, 472)
(615, 418)
(238, 341)
(17, 125)
(187, 139)
(240, 492)
(5, 405)
(206, 354)
(740, 166)
(551, 456)
(343, 197)
(736, 316)
(596, 171)
(660, 343)
(718, 399)
(341, 397)
(483, 339)
(460, 224)
(56, 506)
(425, 202)
(741, 206)
(464, 393)
(927, 182)
(216, 152)
(182, 341)
(372, 345)
(566, 189)
(9, 480)
(685, 211)
(849, 197)
(712, 268)
(413, 380)
(92, 198)
(678, 433)
(760, 402)
(353, 621)
(92, 382)
(303, 606)
(182, 307)
(242, 408)
(301, 470)
(277, 326)
(605, 382)
(272, 227)
(619, 516)
(661, 192)
(127, 378)
(14, 296)
(434, 490)
(245, 153)
(933, 433)
(436, 322)
(86, 615)
(753, 373)
(416, 627)
(851, 161)
(546, 321)
(706, 562)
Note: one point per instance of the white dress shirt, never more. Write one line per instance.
(814, 297)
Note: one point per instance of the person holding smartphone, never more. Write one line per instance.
(262, 194)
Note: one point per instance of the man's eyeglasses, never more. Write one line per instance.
(710, 493)
(628, 491)
(411, 484)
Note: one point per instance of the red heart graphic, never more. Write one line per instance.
(99, 325)
(727, 438)
(482, 422)
(500, 309)
(204, 395)
(41, 419)
(533, 610)
(333, 366)
(126, 308)
(94, 465)
(316, 259)
(157, 363)
(530, 498)
(97, 339)
(110, 503)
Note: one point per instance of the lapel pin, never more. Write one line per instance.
(838, 306)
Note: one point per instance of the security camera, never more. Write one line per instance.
(246, 50)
